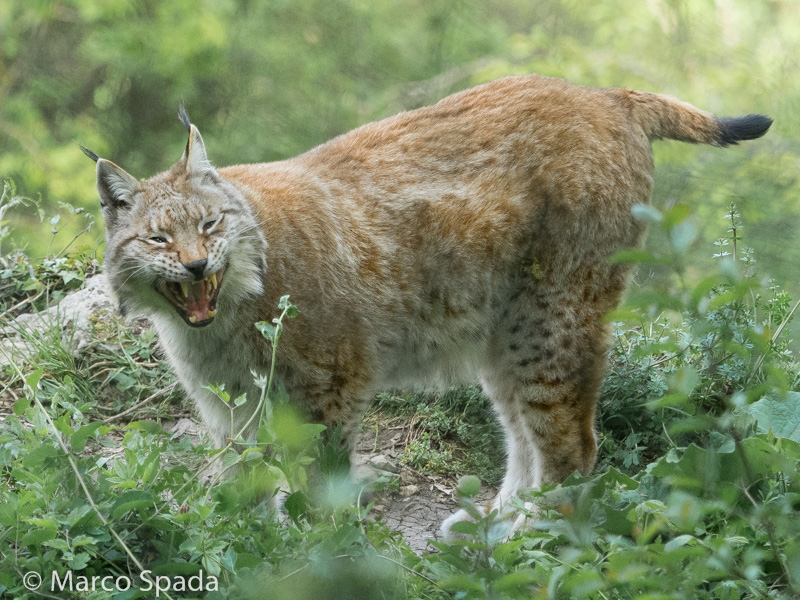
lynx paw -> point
(508, 517)
(448, 523)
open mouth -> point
(195, 301)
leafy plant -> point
(696, 494)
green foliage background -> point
(268, 80)
(694, 496)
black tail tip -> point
(732, 130)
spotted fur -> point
(464, 241)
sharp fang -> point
(213, 279)
(185, 289)
(212, 314)
(192, 319)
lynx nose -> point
(196, 268)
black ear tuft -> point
(184, 117)
(732, 130)
(89, 153)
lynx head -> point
(182, 245)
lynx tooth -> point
(212, 314)
(185, 289)
(192, 319)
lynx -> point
(465, 241)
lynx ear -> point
(115, 186)
(194, 157)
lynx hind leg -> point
(543, 376)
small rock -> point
(409, 490)
(72, 316)
(366, 474)
(443, 489)
(382, 463)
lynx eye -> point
(210, 224)
(157, 240)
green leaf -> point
(83, 540)
(37, 537)
(679, 541)
(646, 213)
(682, 236)
(704, 287)
(8, 509)
(617, 521)
(150, 466)
(656, 348)
(671, 399)
(123, 381)
(722, 299)
(231, 458)
(36, 458)
(516, 580)
(46, 523)
(461, 582)
(132, 500)
(647, 299)
(79, 561)
(296, 505)
(507, 554)
(21, 405)
(150, 427)
(469, 486)
(291, 309)
(267, 330)
(246, 560)
(67, 276)
(779, 416)
(32, 380)
(252, 454)
(57, 543)
(78, 515)
(464, 527)
(676, 215)
(78, 439)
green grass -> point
(449, 434)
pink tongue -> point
(197, 304)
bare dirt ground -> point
(417, 507)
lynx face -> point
(190, 260)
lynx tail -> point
(667, 117)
